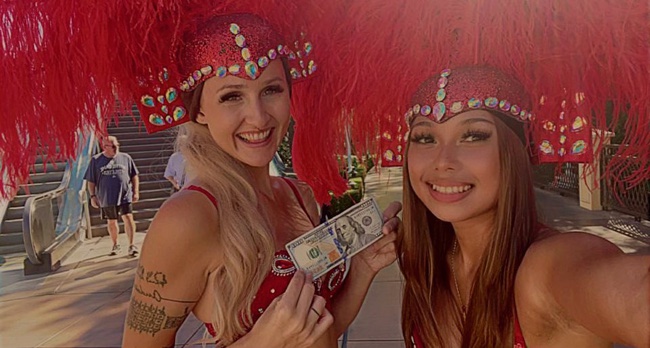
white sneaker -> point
(133, 250)
(115, 250)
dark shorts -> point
(113, 212)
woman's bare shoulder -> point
(555, 257)
(552, 247)
(188, 221)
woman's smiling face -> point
(247, 118)
(454, 166)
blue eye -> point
(230, 97)
(275, 89)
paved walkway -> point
(83, 304)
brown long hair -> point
(244, 230)
(426, 241)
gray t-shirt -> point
(176, 168)
(112, 178)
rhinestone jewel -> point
(456, 107)
(169, 119)
(251, 69)
(578, 147)
(161, 99)
(164, 75)
(578, 124)
(234, 28)
(222, 71)
(206, 70)
(426, 110)
(445, 73)
(272, 54)
(148, 101)
(156, 120)
(474, 103)
(240, 40)
(546, 147)
(504, 105)
(439, 111)
(234, 69)
(308, 48)
(179, 112)
(164, 109)
(416, 109)
(441, 95)
(197, 74)
(263, 62)
(246, 54)
(171, 95)
(515, 110)
(491, 102)
(442, 82)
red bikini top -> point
(283, 269)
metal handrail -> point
(39, 222)
(29, 213)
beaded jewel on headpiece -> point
(240, 45)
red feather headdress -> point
(65, 65)
(583, 65)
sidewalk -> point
(83, 304)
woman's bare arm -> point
(596, 285)
(172, 271)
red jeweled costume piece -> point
(278, 279)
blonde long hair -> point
(244, 232)
(426, 242)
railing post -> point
(589, 184)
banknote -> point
(340, 238)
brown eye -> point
(473, 136)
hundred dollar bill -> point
(331, 243)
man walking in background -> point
(113, 185)
(175, 171)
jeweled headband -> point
(241, 45)
(469, 88)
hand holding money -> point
(340, 238)
(382, 253)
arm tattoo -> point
(157, 296)
(150, 319)
(156, 278)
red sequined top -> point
(282, 270)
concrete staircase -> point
(44, 178)
(150, 153)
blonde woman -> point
(216, 248)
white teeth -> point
(255, 137)
(451, 189)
